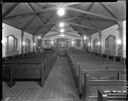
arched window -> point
(95, 45)
(110, 45)
(12, 42)
(78, 42)
(27, 45)
(39, 43)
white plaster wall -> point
(87, 42)
(93, 37)
(124, 38)
(104, 34)
(30, 37)
(110, 31)
(8, 30)
(35, 41)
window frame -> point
(15, 42)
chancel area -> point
(64, 51)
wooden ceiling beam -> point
(10, 10)
(45, 25)
(37, 29)
(90, 6)
(34, 10)
(73, 35)
(76, 30)
(70, 4)
(88, 18)
(79, 31)
(29, 14)
(51, 23)
(92, 14)
(48, 28)
(93, 23)
(64, 4)
(79, 25)
(50, 35)
(29, 22)
(59, 34)
(68, 19)
(108, 10)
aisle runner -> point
(59, 85)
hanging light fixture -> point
(61, 24)
(61, 30)
(52, 42)
(73, 42)
(61, 11)
(39, 37)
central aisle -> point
(59, 85)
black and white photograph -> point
(64, 51)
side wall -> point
(113, 30)
(9, 30)
(30, 37)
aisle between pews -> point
(59, 85)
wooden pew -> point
(98, 75)
(13, 71)
(95, 64)
(98, 67)
(89, 64)
(26, 71)
(91, 87)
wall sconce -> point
(24, 43)
(34, 44)
(84, 37)
(39, 37)
(89, 44)
(98, 43)
(118, 42)
(3, 42)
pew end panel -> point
(91, 87)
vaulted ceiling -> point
(84, 17)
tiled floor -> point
(58, 87)
(22, 91)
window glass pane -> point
(11, 42)
(78, 42)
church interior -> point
(64, 51)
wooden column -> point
(100, 40)
(83, 41)
(33, 43)
(22, 47)
(90, 44)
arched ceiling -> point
(84, 17)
